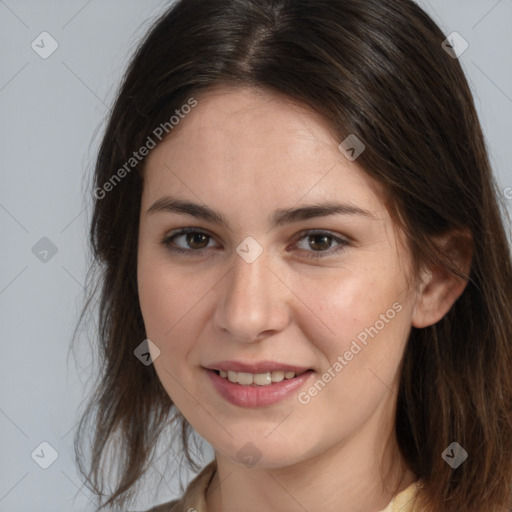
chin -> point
(263, 454)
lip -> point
(254, 396)
(260, 367)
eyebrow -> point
(279, 218)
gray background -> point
(52, 113)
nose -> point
(253, 304)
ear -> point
(439, 287)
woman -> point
(304, 260)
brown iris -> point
(320, 242)
(197, 240)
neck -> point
(345, 478)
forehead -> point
(259, 144)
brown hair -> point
(374, 68)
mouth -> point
(258, 390)
(258, 379)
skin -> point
(245, 153)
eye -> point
(320, 243)
(189, 240)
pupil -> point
(319, 242)
(197, 240)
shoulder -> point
(194, 497)
(407, 500)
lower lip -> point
(257, 396)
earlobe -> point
(439, 287)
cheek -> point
(361, 358)
(173, 307)
(361, 318)
(164, 306)
(346, 305)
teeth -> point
(279, 376)
(258, 379)
(242, 378)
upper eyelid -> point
(299, 236)
(184, 231)
(311, 232)
(342, 239)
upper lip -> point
(259, 367)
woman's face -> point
(280, 253)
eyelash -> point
(168, 241)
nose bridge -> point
(251, 301)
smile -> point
(242, 389)
(256, 379)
